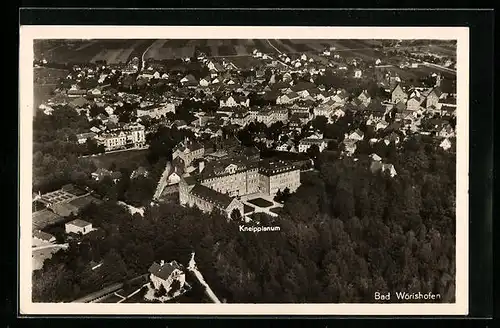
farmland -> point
(90, 51)
(45, 82)
(125, 159)
(120, 51)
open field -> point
(260, 202)
(123, 159)
(85, 51)
(119, 51)
(45, 82)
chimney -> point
(201, 166)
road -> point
(445, 69)
(269, 41)
(49, 246)
(192, 267)
(143, 61)
(104, 292)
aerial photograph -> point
(244, 171)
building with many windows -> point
(278, 175)
(130, 135)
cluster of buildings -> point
(123, 136)
(211, 179)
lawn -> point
(248, 209)
(130, 159)
(260, 202)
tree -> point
(236, 215)
(174, 287)
(161, 291)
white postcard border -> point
(30, 32)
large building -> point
(130, 135)
(278, 175)
(234, 176)
(220, 183)
(192, 193)
(188, 151)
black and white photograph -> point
(284, 170)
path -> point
(192, 267)
(162, 183)
(104, 292)
(143, 61)
(269, 41)
(132, 209)
(446, 69)
(49, 246)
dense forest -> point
(345, 233)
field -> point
(120, 51)
(45, 82)
(260, 202)
(124, 159)
(89, 51)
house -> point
(288, 98)
(78, 226)
(341, 96)
(375, 157)
(205, 82)
(414, 103)
(445, 144)
(164, 274)
(357, 135)
(234, 100)
(102, 173)
(446, 132)
(189, 80)
(83, 137)
(398, 94)
(365, 98)
(433, 98)
(305, 144)
(378, 166)
(381, 125)
(42, 237)
(139, 172)
(357, 74)
(349, 146)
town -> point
(219, 135)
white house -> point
(357, 135)
(42, 237)
(164, 274)
(357, 73)
(78, 226)
(204, 82)
(445, 144)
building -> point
(357, 135)
(83, 137)
(414, 103)
(42, 237)
(188, 151)
(398, 94)
(157, 112)
(101, 173)
(192, 193)
(235, 176)
(79, 227)
(130, 135)
(164, 274)
(233, 101)
(305, 144)
(278, 175)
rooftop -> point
(79, 223)
(211, 196)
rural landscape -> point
(244, 170)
